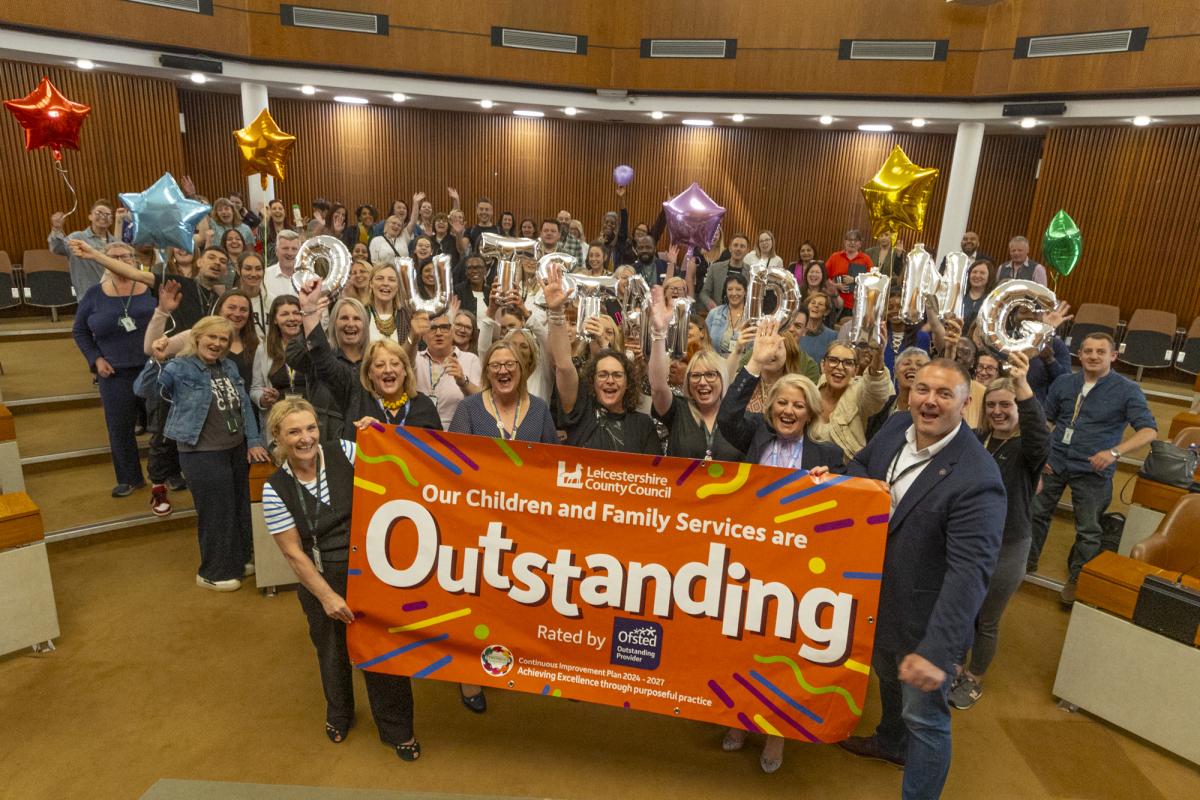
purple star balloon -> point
(693, 218)
(162, 216)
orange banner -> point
(735, 594)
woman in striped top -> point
(307, 505)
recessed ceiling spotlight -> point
(528, 112)
(306, 89)
(351, 99)
(738, 118)
(399, 97)
(919, 122)
(656, 115)
(485, 104)
(570, 111)
(872, 127)
(825, 119)
(698, 123)
(1142, 120)
(198, 77)
(1029, 122)
(84, 63)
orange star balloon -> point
(898, 196)
(264, 148)
(49, 118)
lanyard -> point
(432, 382)
(394, 419)
(260, 319)
(797, 451)
(894, 478)
(311, 519)
(505, 433)
(709, 434)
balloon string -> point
(62, 171)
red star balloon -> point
(49, 118)
(264, 147)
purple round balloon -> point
(623, 175)
(693, 218)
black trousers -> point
(163, 460)
(390, 696)
(120, 416)
(220, 484)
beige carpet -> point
(211, 790)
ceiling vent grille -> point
(1082, 44)
(193, 6)
(893, 49)
(325, 19)
(689, 48)
(545, 41)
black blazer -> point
(943, 540)
(752, 434)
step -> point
(50, 429)
(48, 368)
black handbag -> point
(1169, 464)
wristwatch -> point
(1115, 453)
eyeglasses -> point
(126, 257)
(502, 366)
(711, 377)
(439, 328)
(615, 376)
(846, 363)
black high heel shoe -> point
(476, 702)
(409, 752)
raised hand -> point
(310, 295)
(455, 370)
(660, 312)
(767, 342)
(56, 220)
(158, 350)
(450, 190)
(1058, 316)
(552, 287)
(170, 295)
(187, 185)
(81, 249)
(621, 191)
(419, 325)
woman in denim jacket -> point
(216, 428)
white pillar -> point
(254, 100)
(963, 167)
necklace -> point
(386, 325)
(391, 409)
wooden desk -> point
(1184, 419)
(20, 520)
(1111, 582)
(1155, 495)
(8, 430)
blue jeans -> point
(915, 726)
(1090, 495)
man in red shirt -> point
(846, 265)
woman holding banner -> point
(307, 504)
(601, 414)
(778, 437)
(382, 389)
(691, 419)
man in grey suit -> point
(713, 292)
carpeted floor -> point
(155, 679)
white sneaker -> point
(231, 585)
(249, 570)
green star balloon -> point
(1062, 244)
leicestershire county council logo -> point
(570, 480)
(636, 643)
(497, 660)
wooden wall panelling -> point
(1133, 193)
(801, 184)
(1004, 187)
(128, 141)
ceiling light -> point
(872, 127)
(198, 77)
(698, 123)
(1142, 120)
(919, 122)
(656, 115)
(570, 111)
(351, 99)
(528, 112)
(485, 104)
(84, 63)
(826, 119)
(1029, 122)
(306, 89)
(399, 97)
(738, 118)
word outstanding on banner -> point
(735, 594)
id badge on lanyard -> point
(127, 324)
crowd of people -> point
(231, 361)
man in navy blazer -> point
(947, 521)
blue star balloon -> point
(163, 216)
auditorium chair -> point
(1092, 318)
(10, 293)
(1187, 437)
(1149, 341)
(1188, 359)
(47, 281)
(1175, 545)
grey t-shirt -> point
(223, 426)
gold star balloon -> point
(898, 196)
(264, 148)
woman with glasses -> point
(504, 408)
(691, 419)
(602, 413)
(849, 400)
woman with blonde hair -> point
(383, 388)
(505, 407)
(691, 419)
(764, 252)
(781, 436)
(307, 505)
(389, 317)
(358, 285)
(215, 427)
